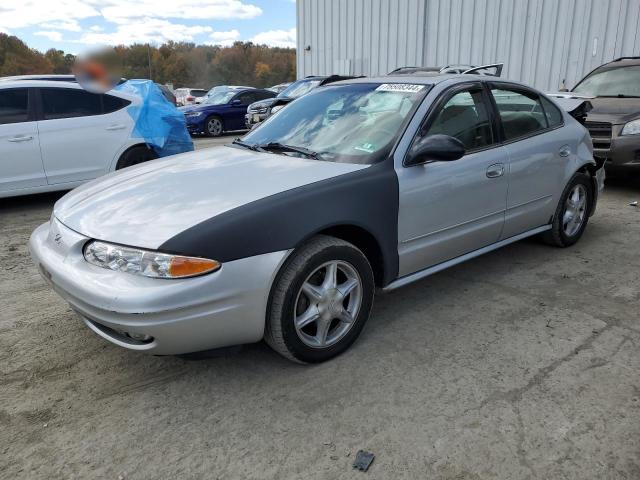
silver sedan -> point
(285, 234)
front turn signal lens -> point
(191, 266)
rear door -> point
(451, 208)
(538, 152)
(80, 133)
(20, 160)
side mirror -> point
(435, 148)
(236, 101)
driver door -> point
(450, 208)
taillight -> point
(190, 98)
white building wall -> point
(359, 37)
(541, 42)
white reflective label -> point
(400, 87)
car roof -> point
(425, 79)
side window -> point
(521, 113)
(264, 95)
(14, 105)
(69, 103)
(112, 104)
(554, 117)
(247, 98)
(464, 116)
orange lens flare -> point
(188, 266)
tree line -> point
(179, 63)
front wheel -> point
(214, 127)
(320, 301)
(572, 213)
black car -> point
(614, 121)
(261, 110)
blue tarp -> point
(157, 121)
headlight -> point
(276, 108)
(193, 114)
(260, 110)
(631, 128)
(145, 262)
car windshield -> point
(612, 82)
(198, 93)
(355, 123)
(220, 98)
(299, 88)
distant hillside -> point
(183, 64)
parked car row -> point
(285, 234)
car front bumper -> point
(195, 124)
(252, 119)
(158, 316)
(617, 150)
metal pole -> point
(149, 58)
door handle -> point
(496, 170)
(564, 151)
(116, 127)
(20, 138)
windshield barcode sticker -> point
(400, 87)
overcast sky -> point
(74, 25)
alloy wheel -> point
(575, 210)
(214, 127)
(328, 304)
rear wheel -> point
(320, 301)
(572, 213)
(214, 127)
(134, 156)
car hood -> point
(614, 110)
(146, 205)
(200, 107)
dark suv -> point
(260, 111)
(614, 121)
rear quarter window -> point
(112, 104)
(554, 116)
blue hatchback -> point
(223, 111)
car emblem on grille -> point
(58, 239)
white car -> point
(189, 96)
(54, 135)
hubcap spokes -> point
(575, 210)
(214, 126)
(327, 304)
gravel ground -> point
(520, 364)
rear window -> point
(198, 93)
(14, 105)
(69, 103)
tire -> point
(340, 313)
(134, 156)
(213, 126)
(575, 202)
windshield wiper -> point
(281, 147)
(250, 146)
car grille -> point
(600, 134)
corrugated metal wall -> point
(359, 37)
(541, 42)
